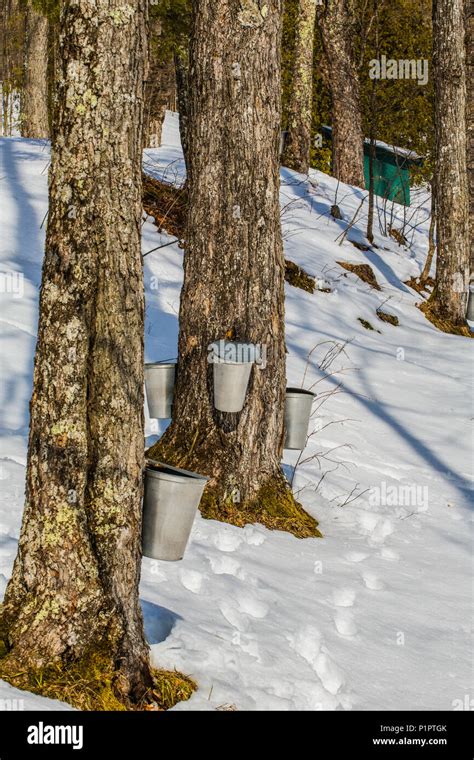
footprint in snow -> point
(344, 622)
(389, 554)
(254, 537)
(344, 597)
(224, 565)
(227, 540)
(356, 556)
(239, 611)
(233, 616)
(252, 606)
(372, 581)
(191, 580)
(307, 642)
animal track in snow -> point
(191, 580)
(254, 537)
(224, 565)
(389, 554)
(233, 616)
(247, 644)
(252, 606)
(356, 556)
(344, 622)
(372, 581)
(383, 529)
(227, 540)
(344, 597)
(308, 644)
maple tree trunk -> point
(233, 265)
(337, 31)
(470, 124)
(296, 154)
(160, 87)
(35, 97)
(449, 298)
(74, 588)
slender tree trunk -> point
(13, 37)
(159, 89)
(449, 298)
(297, 150)
(74, 589)
(182, 93)
(234, 266)
(371, 202)
(470, 124)
(431, 239)
(35, 94)
(337, 31)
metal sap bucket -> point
(298, 403)
(159, 384)
(470, 305)
(232, 366)
(170, 503)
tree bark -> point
(182, 95)
(296, 154)
(13, 36)
(337, 31)
(159, 89)
(233, 266)
(35, 95)
(431, 240)
(470, 124)
(449, 299)
(74, 588)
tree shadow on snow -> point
(158, 621)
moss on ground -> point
(91, 683)
(297, 277)
(445, 325)
(365, 324)
(274, 507)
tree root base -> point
(445, 325)
(89, 684)
(274, 508)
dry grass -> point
(363, 271)
(365, 323)
(166, 204)
(421, 288)
(390, 318)
(90, 684)
(445, 325)
(297, 277)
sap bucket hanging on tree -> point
(170, 504)
(298, 403)
(159, 384)
(232, 366)
(470, 304)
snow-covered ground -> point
(375, 615)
